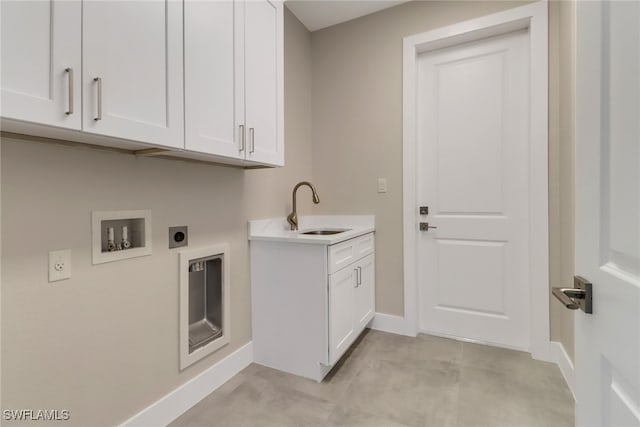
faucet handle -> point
(292, 219)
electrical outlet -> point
(178, 236)
(59, 265)
(382, 185)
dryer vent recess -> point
(178, 236)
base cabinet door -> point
(41, 62)
(133, 70)
(365, 292)
(341, 301)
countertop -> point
(278, 229)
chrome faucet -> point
(292, 219)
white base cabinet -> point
(351, 303)
(310, 302)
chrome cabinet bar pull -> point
(357, 277)
(98, 80)
(242, 139)
(252, 140)
(70, 81)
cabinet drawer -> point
(344, 253)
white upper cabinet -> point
(234, 79)
(41, 65)
(132, 70)
(264, 81)
(214, 77)
(201, 78)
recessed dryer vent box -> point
(120, 235)
(204, 302)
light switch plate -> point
(382, 185)
(59, 265)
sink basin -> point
(325, 231)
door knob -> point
(578, 297)
(424, 226)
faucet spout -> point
(292, 218)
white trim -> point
(534, 17)
(97, 237)
(390, 323)
(562, 359)
(462, 339)
(185, 257)
(184, 397)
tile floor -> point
(389, 380)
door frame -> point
(533, 17)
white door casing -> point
(136, 49)
(607, 365)
(533, 18)
(473, 174)
(36, 85)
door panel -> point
(341, 319)
(136, 49)
(35, 85)
(607, 364)
(483, 263)
(470, 183)
(473, 174)
(263, 58)
(214, 76)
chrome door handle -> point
(70, 81)
(357, 279)
(242, 138)
(252, 136)
(578, 297)
(98, 81)
(424, 226)
(359, 276)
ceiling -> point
(318, 14)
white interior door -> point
(135, 48)
(472, 113)
(41, 71)
(607, 367)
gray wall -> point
(104, 344)
(357, 129)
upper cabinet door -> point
(132, 70)
(214, 77)
(41, 64)
(264, 81)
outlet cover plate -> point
(178, 236)
(59, 265)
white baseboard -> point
(560, 356)
(184, 397)
(390, 323)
